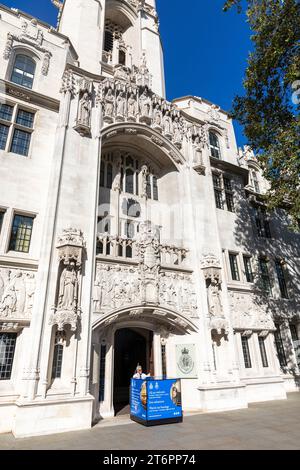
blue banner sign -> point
(156, 400)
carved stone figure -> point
(144, 173)
(84, 111)
(68, 288)
(145, 104)
(9, 300)
(177, 135)
(167, 124)
(214, 298)
(121, 105)
(8, 46)
(132, 106)
(109, 104)
(157, 121)
(117, 180)
(30, 286)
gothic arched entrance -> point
(132, 346)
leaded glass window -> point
(7, 352)
(21, 233)
(214, 145)
(263, 352)
(246, 352)
(23, 71)
(281, 279)
(235, 275)
(248, 269)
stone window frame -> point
(282, 278)
(11, 360)
(218, 148)
(223, 191)
(2, 218)
(268, 275)
(262, 223)
(12, 214)
(22, 49)
(13, 125)
(236, 268)
(254, 181)
(252, 273)
(263, 349)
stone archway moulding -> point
(149, 135)
(170, 318)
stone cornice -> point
(199, 100)
(15, 262)
(230, 168)
(29, 96)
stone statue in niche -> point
(167, 124)
(145, 106)
(117, 180)
(144, 173)
(68, 288)
(177, 131)
(132, 107)
(109, 105)
(157, 118)
(214, 298)
(121, 105)
(84, 111)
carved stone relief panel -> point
(115, 286)
(17, 289)
(248, 314)
(177, 291)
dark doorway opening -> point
(132, 347)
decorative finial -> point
(58, 4)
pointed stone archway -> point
(155, 323)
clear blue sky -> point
(205, 49)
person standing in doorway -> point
(139, 373)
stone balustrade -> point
(120, 247)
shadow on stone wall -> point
(284, 245)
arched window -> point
(23, 71)
(108, 41)
(122, 57)
(129, 182)
(102, 175)
(214, 144)
(155, 188)
(109, 175)
(148, 188)
(255, 183)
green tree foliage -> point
(269, 110)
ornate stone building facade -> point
(132, 229)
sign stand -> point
(155, 401)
